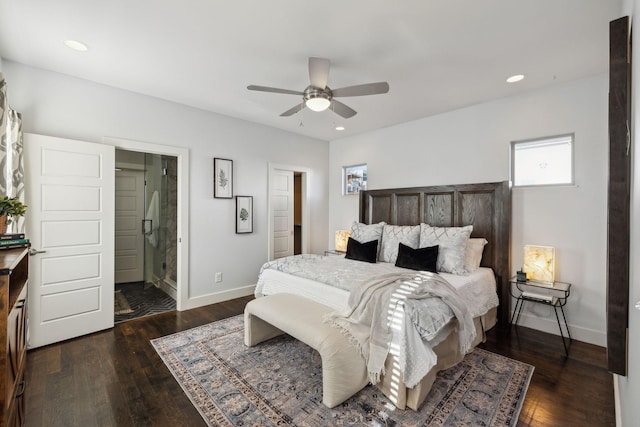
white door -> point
(129, 213)
(70, 221)
(282, 212)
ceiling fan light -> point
(318, 104)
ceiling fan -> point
(318, 96)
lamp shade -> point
(342, 238)
(540, 263)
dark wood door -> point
(619, 195)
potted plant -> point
(10, 207)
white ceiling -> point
(437, 55)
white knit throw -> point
(376, 309)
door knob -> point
(35, 251)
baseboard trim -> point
(550, 326)
(217, 297)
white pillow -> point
(473, 255)
(452, 246)
(364, 233)
(393, 235)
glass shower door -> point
(161, 221)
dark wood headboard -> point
(486, 206)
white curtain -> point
(11, 157)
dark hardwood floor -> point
(564, 391)
(115, 377)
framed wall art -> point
(222, 178)
(354, 179)
(244, 214)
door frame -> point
(305, 172)
(182, 155)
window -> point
(544, 161)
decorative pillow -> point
(473, 255)
(392, 235)
(367, 251)
(423, 259)
(452, 242)
(367, 232)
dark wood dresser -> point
(14, 274)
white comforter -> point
(335, 271)
(329, 280)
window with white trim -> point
(543, 161)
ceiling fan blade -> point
(342, 110)
(359, 90)
(291, 111)
(318, 72)
(274, 90)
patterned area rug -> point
(279, 382)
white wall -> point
(629, 386)
(472, 145)
(58, 105)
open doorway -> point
(145, 234)
(297, 213)
(182, 207)
(288, 213)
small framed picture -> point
(354, 179)
(244, 214)
(222, 178)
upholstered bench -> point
(344, 371)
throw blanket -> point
(387, 303)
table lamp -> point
(539, 263)
(342, 238)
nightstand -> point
(556, 297)
(334, 252)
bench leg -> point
(257, 330)
(344, 371)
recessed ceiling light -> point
(339, 127)
(76, 45)
(515, 78)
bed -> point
(486, 207)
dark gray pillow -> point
(367, 251)
(423, 259)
